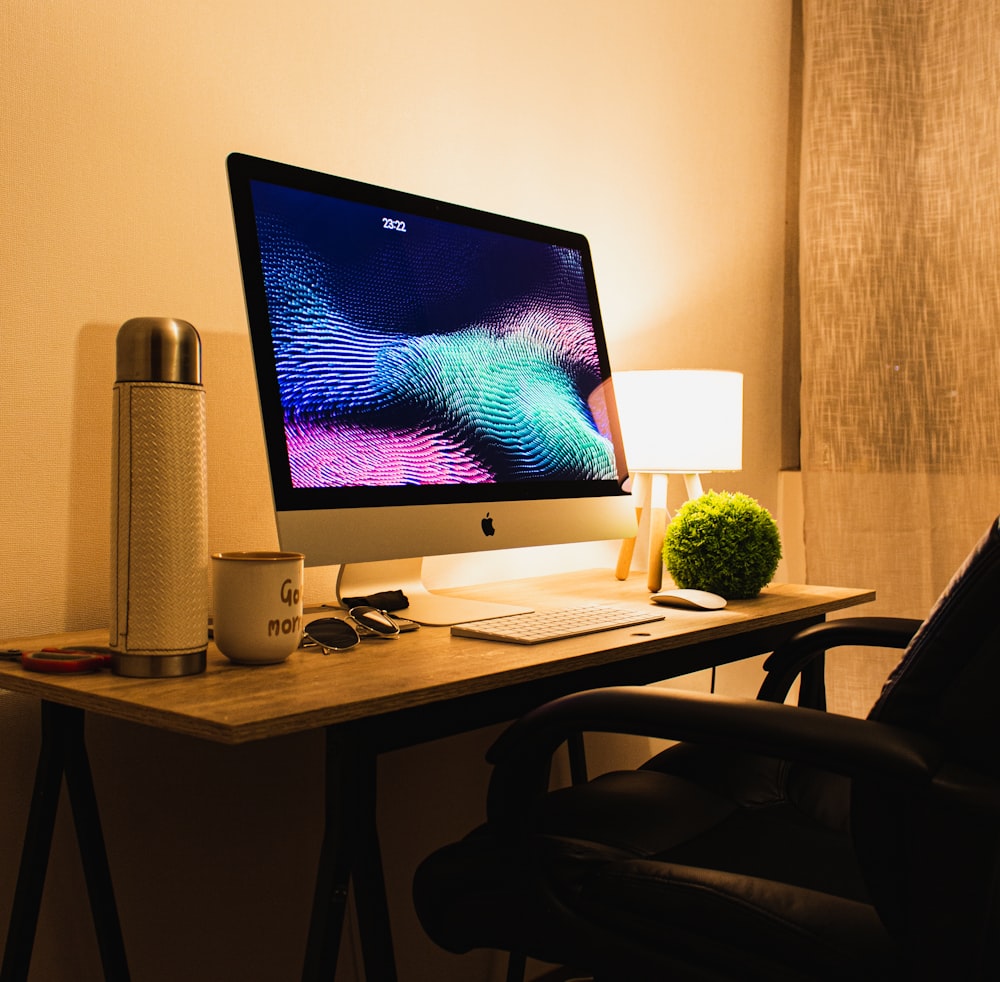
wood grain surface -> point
(232, 704)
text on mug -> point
(278, 626)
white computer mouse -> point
(691, 599)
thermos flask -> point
(159, 541)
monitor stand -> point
(366, 579)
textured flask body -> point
(159, 541)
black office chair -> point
(777, 842)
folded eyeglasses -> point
(340, 634)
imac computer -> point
(433, 380)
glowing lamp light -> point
(675, 422)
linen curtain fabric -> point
(900, 298)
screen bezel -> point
(243, 172)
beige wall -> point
(658, 128)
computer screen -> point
(433, 379)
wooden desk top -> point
(234, 704)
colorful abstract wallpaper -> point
(413, 351)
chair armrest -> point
(785, 663)
(844, 744)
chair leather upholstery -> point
(775, 842)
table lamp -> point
(675, 422)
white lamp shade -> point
(681, 422)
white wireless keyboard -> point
(538, 626)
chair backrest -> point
(932, 861)
(946, 683)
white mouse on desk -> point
(689, 599)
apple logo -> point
(487, 524)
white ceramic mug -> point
(258, 605)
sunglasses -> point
(337, 634)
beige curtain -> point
(900, 295)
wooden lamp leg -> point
(640, 492)
(657, 529)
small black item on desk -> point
(386, 600)
(689, 599)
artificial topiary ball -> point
(723, 542)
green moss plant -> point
(724, 542)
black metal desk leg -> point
(350, 854)
(62, 752)
(34, 852)
(812, 683)
(516, 965)
(90, 838)
(577, 758)
(369, 879)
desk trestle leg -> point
(63, 752)
(350, 855)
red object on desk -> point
(63, 660)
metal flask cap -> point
(158, 349)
